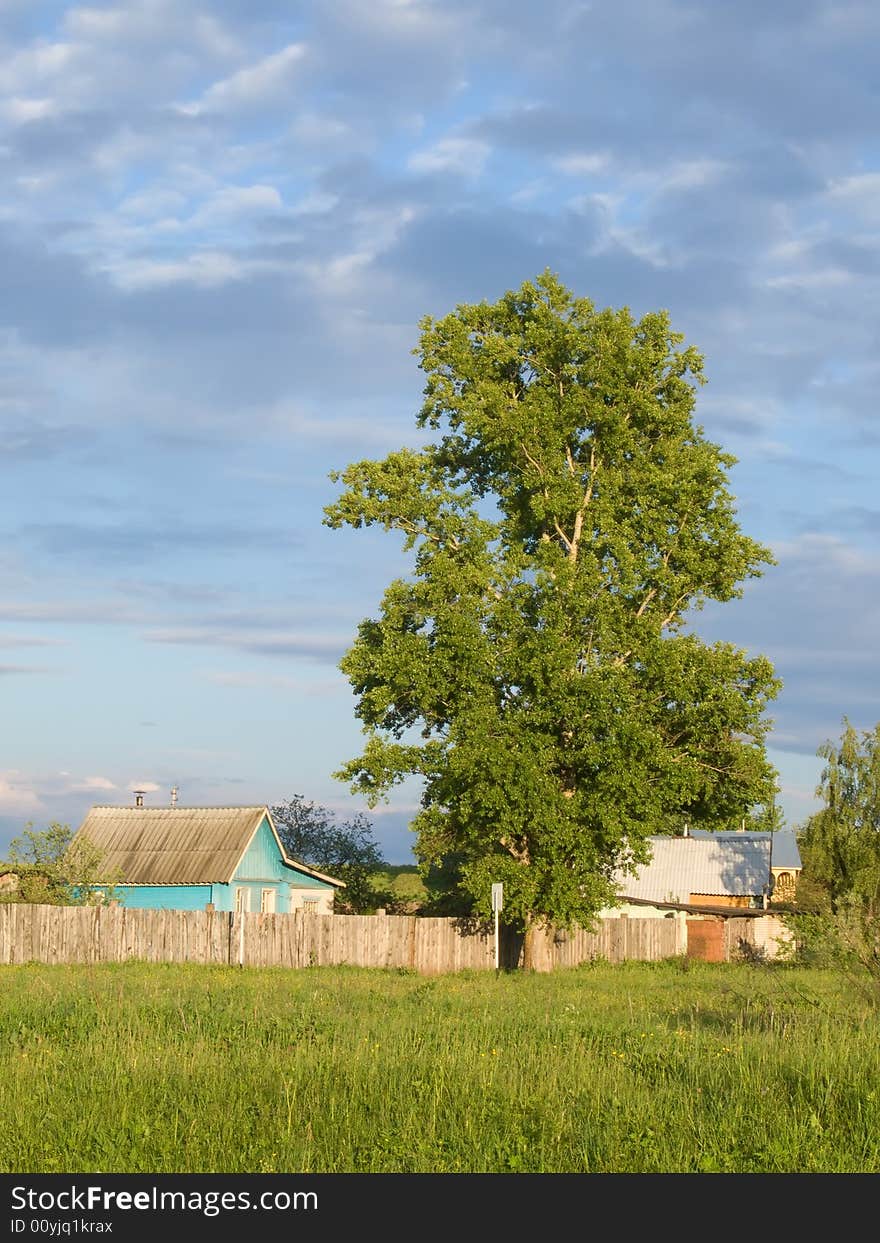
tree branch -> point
(647, 600)
(412, 528)
(575, 541)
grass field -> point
(632, 1068)
(403, 884)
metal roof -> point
(733, 864)
(178, 845)
(785, 847)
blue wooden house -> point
(185, 858)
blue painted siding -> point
(262, 860)
(165, 897)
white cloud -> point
(232, 202)
(17, 798)
(158, 200)
(162, 22)
(94, 783)
(316, 203)
(315, 129)
(42, 63)
(464, 156)
(257, 85)
(584, 164)
(861, 192)
(817, 549)
(18, 111)
(206, 269)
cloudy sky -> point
(220, 221)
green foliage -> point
(534, 671)
(55, 870)
(43, 849)
(399, 889)
(840, 845)
(446, 895)
(346, 851)
(839, 889)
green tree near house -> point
(840, 845)
(837, 920)
(53, 869)
(534, 669)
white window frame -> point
(268, 900)
(242, 900)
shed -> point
(183, 858)
(727, 869)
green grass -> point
(404, 884)
(634, 1068)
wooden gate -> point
(706, 939)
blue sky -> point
(219, 225)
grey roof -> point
(785, 848)
(732, 864)
(786, 853)
(178, 845)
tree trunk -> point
(529, 939)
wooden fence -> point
(59, 934)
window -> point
(267, 901)
(310, 904)
(242, 900)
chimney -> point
(687, 831)
(139, 798)
(174, 796)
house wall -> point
(318, 901)
(261, 860)
(164, 897)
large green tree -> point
(534, 669)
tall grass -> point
(632, 1068)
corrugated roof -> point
(735, 864)
(177, 845)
